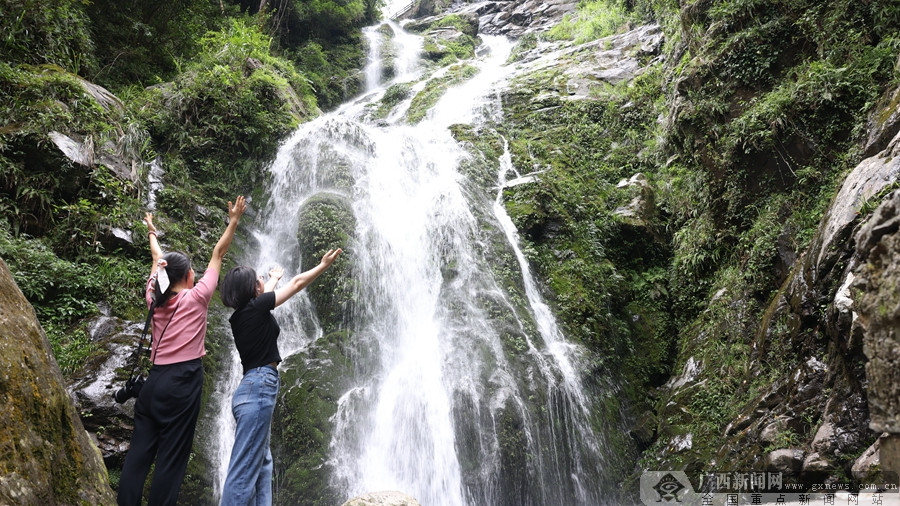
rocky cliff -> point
(828, 331)
(47, 457)
(744, 287)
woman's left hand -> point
(148, 219)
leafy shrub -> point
(46, 32)
(227, 112)
(64, 292)
(593, 20)
(143, 43)
(37, 183)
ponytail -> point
(174, 267)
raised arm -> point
(155, 250)
(234, 216)
(275, 273)
(302, 280)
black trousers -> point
(165, 415)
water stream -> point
(467, 391)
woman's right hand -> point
(276, 272)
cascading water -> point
(464, 391)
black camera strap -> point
(137, 360)
(140, 352)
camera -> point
(131, 389)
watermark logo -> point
(736, 488)
(668, 488)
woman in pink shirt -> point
(165, 413)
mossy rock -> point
(435, 88)
(464, 23)
(395, 94)
(312, 382)
(388, 52)
(447, 45)
(47, 457)
(327, 222)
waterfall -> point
(465, 390)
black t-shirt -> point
(256, 332)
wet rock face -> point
(519, 17)
(92, 387)
(46, 457)
(576, 72)
(311, 383)
(878, 307)
(837, 317)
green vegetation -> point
(224, 88)
(36, 33)
(434, 90)
(205, 89)
(63, 292)
(610, 278)
(224, 115)
(765, 106)
(743, 131)
(594, 20)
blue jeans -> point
(249, 479)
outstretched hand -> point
(148, 219)
(276, 272)
(329, 257)
(235, 211)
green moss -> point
(312, 382)
(395, 94)
(327, 222)
(436, 87)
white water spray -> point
(473, 394)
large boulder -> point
(579, 71)
(327, 222)
(388, 498)
(312, 382)
(46, 457)
(518, 17)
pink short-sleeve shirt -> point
(183, 317)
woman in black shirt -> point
(256, 338)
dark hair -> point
(238, 287)
(178, 267)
